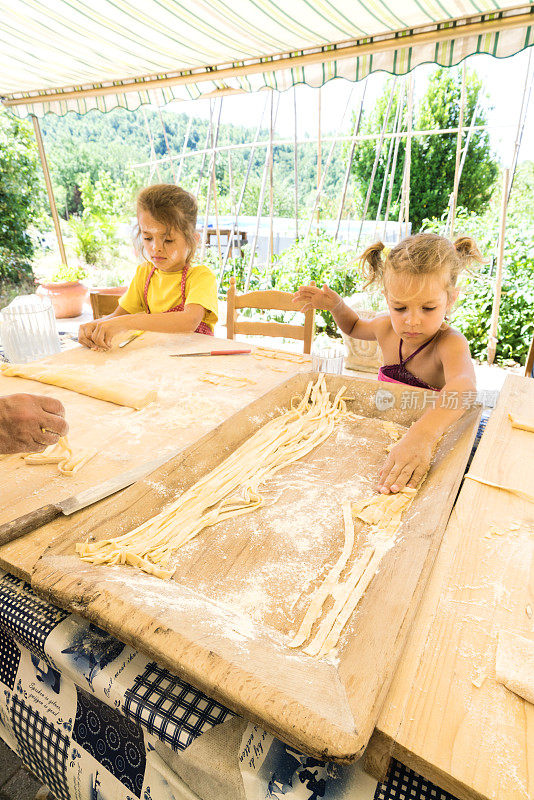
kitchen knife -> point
(41, 516)
(212, 353)
(131, 338)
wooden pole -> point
(184, 148)
(49, 189)
(375, 163)
(395, 155)
(492, 342)
(271, 185)
(319, 152)
(349, 162)
(454, 199)
(296, 171)
(242, 195)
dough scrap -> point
(521, 424)
(514, 666)
(295, 358)
(223, 379)
(383, 512)
(102, 388)
(518, 492)
(229, 490)
(61, 453)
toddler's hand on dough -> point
(406, 464)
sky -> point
(503, 82)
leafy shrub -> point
(89, 242)
(68, 273)
(14, 267)
(321, 259)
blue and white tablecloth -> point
(96, 720)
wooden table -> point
(445, 716)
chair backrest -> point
(529, 365)
(271, 299)
(103, 304)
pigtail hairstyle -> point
(372, 264)
(467, 251)
(173, 207)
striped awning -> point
(77, 55)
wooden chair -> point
(529, 365)
(270, 299)
(103, 304)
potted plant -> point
(66, 291)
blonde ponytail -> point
(467, 251)
(372, 263)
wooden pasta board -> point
(241, 586)
(445, 715)
(187, 407)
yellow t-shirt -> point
(165, 292)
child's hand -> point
(313, 297)
(407, 462)
(98, 334)
(85, 334)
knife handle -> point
(228, 352)
(10, 531)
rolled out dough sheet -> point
(514, 665)
(76, 380)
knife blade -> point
(41, 516)
(131, 338)
(211, 353)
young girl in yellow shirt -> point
(166, 281)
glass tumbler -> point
(328, 360)
(28, 329)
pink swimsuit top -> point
(397, 373)
(203, 327)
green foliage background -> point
(20, 197)
(433, 157)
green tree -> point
(20, 196)
(433, 157)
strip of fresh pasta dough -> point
(511, 489)
(61, 453)
(325, 588)
(384, 513)
(76, 380)
(229, 490)
(521, 424)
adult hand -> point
(29, 423)
(313, 297)
(407, 462)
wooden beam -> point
(49, 189)
(492, 342)
(456, 29)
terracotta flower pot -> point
(67, 297)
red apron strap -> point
(145, 295)
(203, 327)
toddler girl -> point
(166, 282)
(420, 348)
